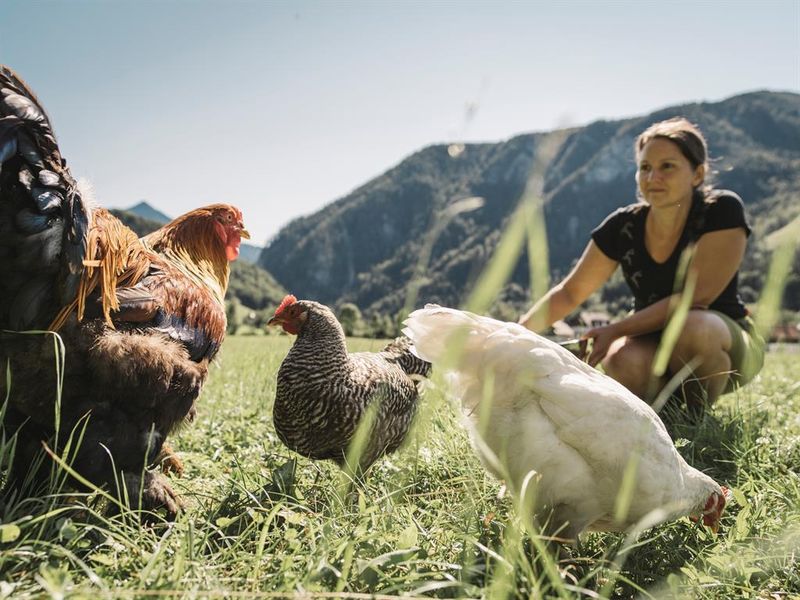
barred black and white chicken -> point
(323, 391)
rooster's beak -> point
(243, 232)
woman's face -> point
(665, 176)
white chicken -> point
(581, 432)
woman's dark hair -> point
(686, 136)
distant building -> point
(594, 319)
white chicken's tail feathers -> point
(434, 331)
(462, 341)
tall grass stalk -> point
(769, 305)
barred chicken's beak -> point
(274, 321)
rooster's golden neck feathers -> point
(192, 244)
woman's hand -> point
(602, 338)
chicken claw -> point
(169, 462)
(156, 493)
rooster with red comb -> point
(140, 320)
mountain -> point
(145, 211)
(363, 248)
(254, 287)
(250, 253)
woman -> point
(677, 212)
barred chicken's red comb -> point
(287, 301)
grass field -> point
(429, 522)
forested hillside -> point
(363, 248)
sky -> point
(284, 107)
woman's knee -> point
(703, 334)
(629, 363)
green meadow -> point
(427, 522)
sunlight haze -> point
(283, 107)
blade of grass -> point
(440, 223)
(769, 305)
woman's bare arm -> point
(592, 270)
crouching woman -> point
(676, 213)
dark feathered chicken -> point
(323, 392)
(139, 319)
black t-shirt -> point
(621, 237)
